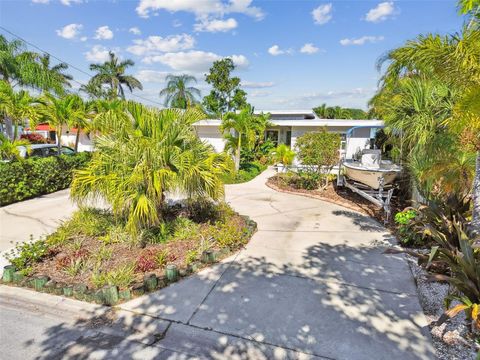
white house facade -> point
(288, 125)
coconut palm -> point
(154, 152)
(112, 74)
(17, 107)
(178, 93)
(59, 113)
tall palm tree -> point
(17, 107)
(112, 74)
(55, 75)
(154, 152)
(178, 93)
(60, 113)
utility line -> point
(70, 65)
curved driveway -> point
(312, 282)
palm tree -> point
(94, 90)
(454, 60)
(55, 76)
(112, 74)
(246, 127)
(80, 119)
(17, 107)
(283, 154)
(152, 153)
(178, 93)
(60, 113)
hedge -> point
(24, 179)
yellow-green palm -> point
(152, 153)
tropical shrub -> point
(24, 255)
(282, 154)
(20, 180)
(149, 153)
(405, 227)
(247, 172)
(319, 152)
(34, 138)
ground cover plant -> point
(96, 251)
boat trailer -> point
(380, 197)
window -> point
(272, 135)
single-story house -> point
(288, 125)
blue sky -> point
(290, 54)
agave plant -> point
(147, 154)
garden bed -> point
(93, 257)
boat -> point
(371, 170)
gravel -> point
(451, 339)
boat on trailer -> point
(370, 177)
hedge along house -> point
(288, 125)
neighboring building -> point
(68, 136)
(288, 125)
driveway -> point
(312, 282)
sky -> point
(288, 54)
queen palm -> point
(178, 93)
(112, 74)
(154, 152)
(17, 107)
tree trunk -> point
(59, 141)
(237, 152)
(77, 139)
(476, 197)
(15, 130)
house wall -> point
(212, 135)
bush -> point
(319, 151)
(405, 221)
(34, 138)
(24, 179)
(247, 172)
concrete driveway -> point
(313, 282)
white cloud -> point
(200, 8)
(70, 31)
(309, 48)
(351, 97)
(152, 76)
(259, 93)
(157, 44)
(83, 38)
(193, 61)
(40, 1)
(97, 54)
(176, 23)
(322, 14)
(216, 25)
(382, 12)
(257, 85)
(135, 30)
(362, 40)
(103, 33)
(70, 2)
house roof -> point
(304, 123)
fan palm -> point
(112, 74)
(153, 152)
(17, 106)
(178, 93)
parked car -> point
(44, 150)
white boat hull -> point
(371, 177)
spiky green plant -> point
(148, 154)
